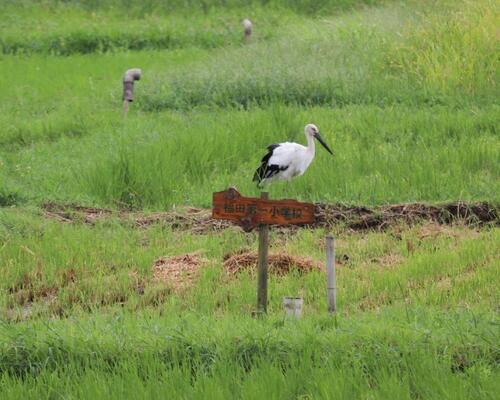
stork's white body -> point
(294, 156)
(287, 160)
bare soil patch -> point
(360, 218)
(279, 263)
(199, 220)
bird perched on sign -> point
(286, 160)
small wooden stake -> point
(262, 265)
(330, 267)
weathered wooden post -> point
(330, 268)
(131, 75)
(262, 264)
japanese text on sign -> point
(249, 212)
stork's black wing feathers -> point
(270, 150)
(265, 170)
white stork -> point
(286, 160)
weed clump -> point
(9, 198)
(453, 54)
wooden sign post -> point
(262, 263)
(250, 212)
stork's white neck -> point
(310, 143)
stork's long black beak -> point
(320, 139)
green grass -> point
(44, 97)
(380, 156)
(88, 268)
(240, 358)
(72, 31)
(138, 8)
(82, 27)
(404, 311)
(384, 57)
(404, 92)
(403, 128)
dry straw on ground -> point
(279, 263)
(178, 271)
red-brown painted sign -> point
(251, 211)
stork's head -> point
(312, 130)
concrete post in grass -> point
(293, 306)
(330, 269)
(247, 29)
(131, 75)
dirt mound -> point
(178, 271)
(197, 220)
(200, 220)
(360, 218)
(279, 263)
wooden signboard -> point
(250, 212)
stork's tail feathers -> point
(264, 172)
(259, 175)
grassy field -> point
(404, 92)
(411, 300)
(402, 128)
